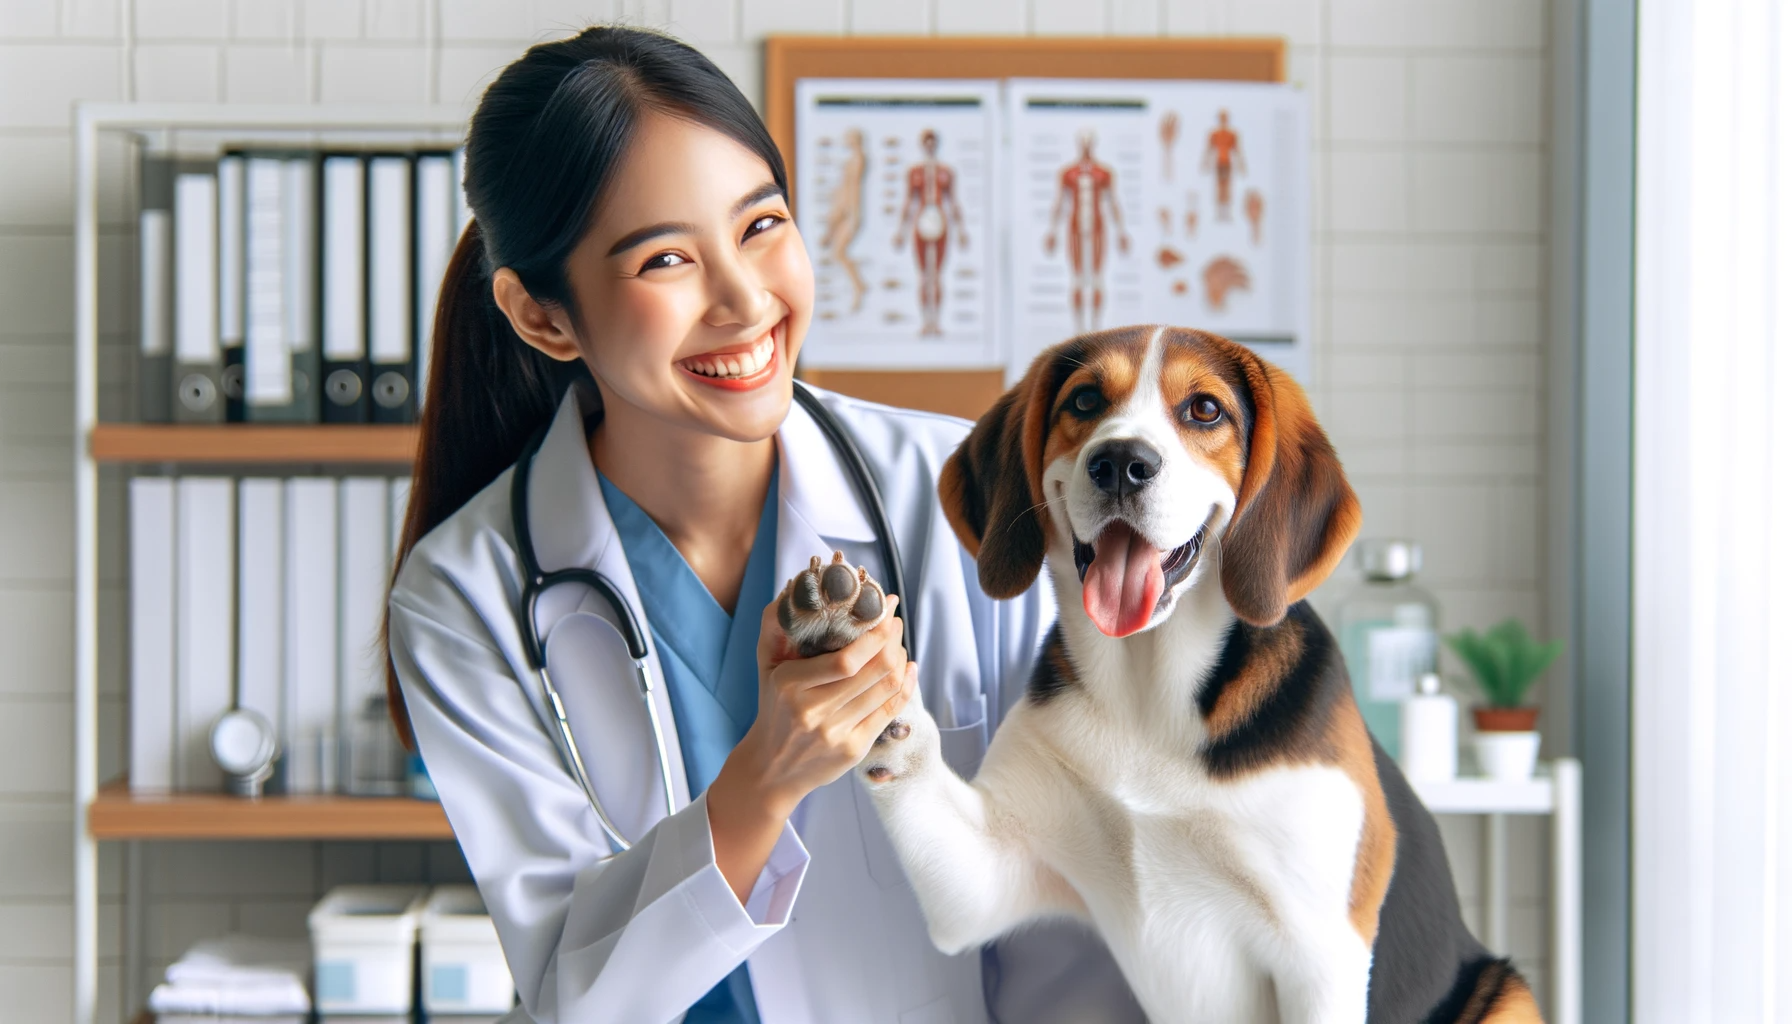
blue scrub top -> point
(710, 662)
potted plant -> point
(1505, 661)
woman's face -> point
(693, 287)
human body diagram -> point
(1086, 201)
(1222, 153)
(845, 213)
(930, 215)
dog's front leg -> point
(1323, 977)
(972, 867)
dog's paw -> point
(824, 608)
(905, 746)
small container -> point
(464, 971)
(364, 943)
(1508, 756)
(1428, 733)
(1388, 628)
(376, 761)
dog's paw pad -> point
(895, 732)
(826, 607)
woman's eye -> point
(1087, 400)
(664, 259)
(765, 223)
(1202, 409)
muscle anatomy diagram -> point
(1222, 154)
(1086, 204)
(845, 213)
(930, 218)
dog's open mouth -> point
(1125, 579)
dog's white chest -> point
(1170, 860)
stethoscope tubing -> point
(536, 582)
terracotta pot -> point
(1506, 719)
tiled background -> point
(1430, 162)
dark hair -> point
(542, 147)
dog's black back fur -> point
(1426, 962)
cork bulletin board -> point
(968, 392)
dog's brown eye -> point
(1087, 400)
(1202, 409)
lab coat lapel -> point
(572, 528)
(816, 496)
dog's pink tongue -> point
(1122, 586)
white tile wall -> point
(1430, 123)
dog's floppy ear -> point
(1296, 513)
(990, 487)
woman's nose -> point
(737, 295)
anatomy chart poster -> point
(1228, 227)
(895, 186)
(1076, 212)
(1158, 202)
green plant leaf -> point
(1505, 661)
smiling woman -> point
(610, 413)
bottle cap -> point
(1389, 559)
(1430, 685)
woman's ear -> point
(547, 330)
(1296, 513)
(990, 487)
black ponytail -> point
(542, 149)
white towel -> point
(237, 975)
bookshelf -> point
(116, 813)
(239, 443)
(112, 813)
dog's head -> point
(1142, 456)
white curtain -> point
(1713, 513)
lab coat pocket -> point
(963, 747)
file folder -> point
(344, 283)
(155, 290)
(152, 633)
(435, 244)
(309, 722)
(230, 282)
(261, 596)
(204, 654)
(283, 349)
(390, 326)
(198, 360)
(365, 568)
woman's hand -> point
(817, 719)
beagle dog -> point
(1188, 771)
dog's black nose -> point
(1120, 468)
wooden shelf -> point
(241, 442)
(117, 813)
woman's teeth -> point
(736, 364)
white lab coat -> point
(831, 933)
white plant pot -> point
(1508, 756)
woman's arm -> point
(817, 718)
(639, 937)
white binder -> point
(205, 524)
(365, 567)
(261, 596)
(198, 360)
(435, 243)
(309, 722)
(389, 296)
(152, 633)
(269, 362)
(344, 288)
(401, 505)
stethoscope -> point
(536, 582)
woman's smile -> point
(742, 367)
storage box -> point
(364, 940)
(463, 966)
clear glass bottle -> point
(1389, 634)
